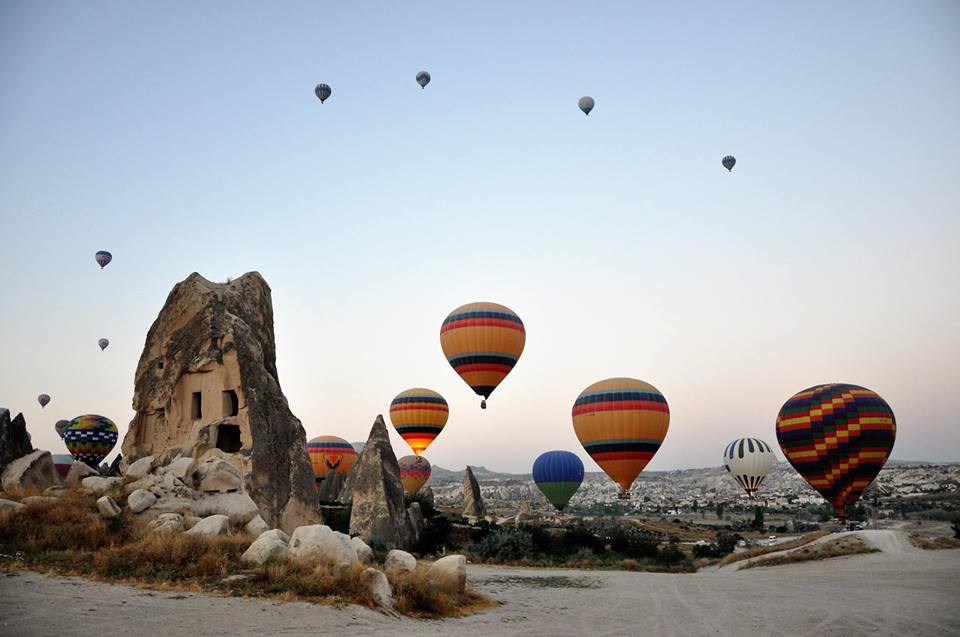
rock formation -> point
(32, 472)
(374, 485)
(472, 501)
(207, 388)
(331, 487)
(14, 439)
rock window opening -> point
(196, 406)
(231, 405)
(160, 365)
(228, 438)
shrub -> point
(434, 535)
(634, 543)
(413, 595)
(577, 537)
(726, 542)
(337, 518)
(670, 555)
(707, 550)
(502, 545)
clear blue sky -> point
(185, 137)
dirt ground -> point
(900, 591)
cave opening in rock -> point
(228, 438)
(231, 404)
(196, 406)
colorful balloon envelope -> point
(621, 422)
(62, 462)
(419, 416)
(749, 460)
(330, 453)
(43, 399)
(414, 473)
(90, 438)
(558, 475)
(482, 342)
(103, 258)
(837, 437)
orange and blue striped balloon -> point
(90, 438)
(414, 473)
(330, 453)
(482, 342)
(419, 416)
(621, 422)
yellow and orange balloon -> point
(621, 422)
(414, 473)
(330, 453)
(419, 416)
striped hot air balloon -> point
(749, 460)
(90, 438)
(482, 342)
(419, 416)
(837, 437)
(414, 473)
(330, 453)
(558, 475)
(621, 422)
(62, 462)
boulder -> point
(239, 507)
(77, 472)
(55, 491)
(207, 380)
(38, 499)
(96, 485)
(149, 482)
(219, 476)
(211, 525)
(183, 469)
(167, 523)
(270, 545)
(364, 552)
(379, 586)
(141, 500)
(472, 501)
(107, 507)
(374, 485)
(319, 542)
(400, 560)
(14, 439)
(9, 506)
(331, 487)
(32, 472)
(449, 574)
(257, 526)
(139, 468)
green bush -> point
(434, 536)
(502, 545)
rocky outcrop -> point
(364, 552)
(256, 527)
(77, 472)
(95, 485)
(270, 545)
(428, 496)
(107, 507)
(167, 523)
(449, 574)
(331, 487)
(207, 388)
(319, 542)
(472, 501)
(211, 525)
(32, 472)
(14, 439)
(141, 500)
(416, 520)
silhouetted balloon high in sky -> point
(586, 104)
(423, 78)
(103, 258)
(103, 343)
(322, 92)
(61, 427)
(729, 162)
(419, 415)
(43, 399)
(749, 460)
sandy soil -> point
(899, 592)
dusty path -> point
(900, 593)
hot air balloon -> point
(558, 475)
(837, 437)
(90, 438)
(61, 427)
(423, 78)
(419, 415)
(482, 342)
(330, 453)
(323, 91)
(414, 473)
(749, 460)
(62, 462)
(103, 258)
(621, 422)
(103, 344)
(586, 104)
(729, 162)
(43, 399)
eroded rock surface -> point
(14, 439)
(472, 500)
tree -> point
(720, 507)
(956, 529)
(757, 517)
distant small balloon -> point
(103, 258)
(586, 104)
(729, 162)
(43, 399)
(61, 427)
(103, 344)
(423, 78)
(323, 91)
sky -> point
(186, 137)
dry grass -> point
(848, 545)
(763, 550)
(414, 596)
(934, 543)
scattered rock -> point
(14, 439)
(472, 501)
(270, 545)
(211, 525)
(400, 560)
(139, 468)
(331, 487)
(364, 552)
(149, 482)
(107, 507)
(374, 485)
(379, 587)
(55, 491)
(9, 506)
(233, 579)
(32, 472)
(219, 476)
(96, 485)
(319, 542)
(38, 499)
(167, 523)
(239, 507)
(141, 500)
(449, 574)
(77, 472)
(183, 468)
(257, 526)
